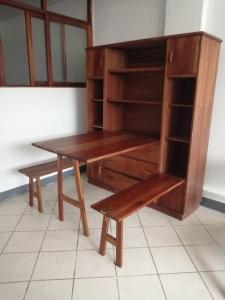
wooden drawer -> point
(131, 167)
(149, 153)
(117, 181)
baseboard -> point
(24, 188)
(213, 204)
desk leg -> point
(60, 186)
(80, 196)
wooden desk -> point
(88, 148)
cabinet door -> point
(183, 56)
(95, 63)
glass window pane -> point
(56, 51)
(14, 44)
(76, 42)
(72, 8)
(39, 49)
(35, 3)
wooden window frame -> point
(47, 16)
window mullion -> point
(30, 48)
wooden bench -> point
(125, 203)
(36, 172)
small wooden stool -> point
(127, 202)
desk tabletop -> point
(95, 145)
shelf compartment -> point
(97, 100)
(135, 102)
(96, 88)
(181, 105)
(182, 91)
(180, 122)
(98, 115)
(177, 158)
(137, 70)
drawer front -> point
(131, 167)
(117, 181)
(149, 153)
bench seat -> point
(125, 203)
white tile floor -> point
(43, 258)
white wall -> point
(183, 16)
(214, 186)
(123, 20)
(33, 114)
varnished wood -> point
(39, 197)
(105, 228)
(126, 202)
(119, 243)
(60, 187)
(80, 197)
(31, 191)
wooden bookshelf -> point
(160, 88)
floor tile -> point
(190, 220)
(210, 216)
(54, 265)
(68, 208)
(8, 223)
(133, 237)
(149, 217)
(13, 291)
(21, 198)
(91, 264)
(172, 260)
(194, 235)
(217, 232)
(222, 246)
(131, 221)
(47, 208)
(184, 287)
(25, 242)
(136, 261)
(33, 222)
(91, 242)
(95, 289)
(9, 207)
(215, 282)
(94, 220)
(50, 290)
(207, 257)
(140, 287)
(161, 236)
(59, 240)
(16, 267)
(49, 192)
(93, 192)
(4, 236)
(71, 221)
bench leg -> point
(105, 228)
(31, 191)
(80, 197)
(39, 196)
(60, 186)
(119, 243)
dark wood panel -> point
(95, 62)
(148, 153)
(115, 181)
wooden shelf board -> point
(137, 70)
(181, 105)
(182, 76)
(178, 139)
(97, 126)
(95, 78)
(135, 102)
(97, 100)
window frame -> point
(48, 17)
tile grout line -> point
(198, 272)
(152, 258)
(45, 232)
(74, 272)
